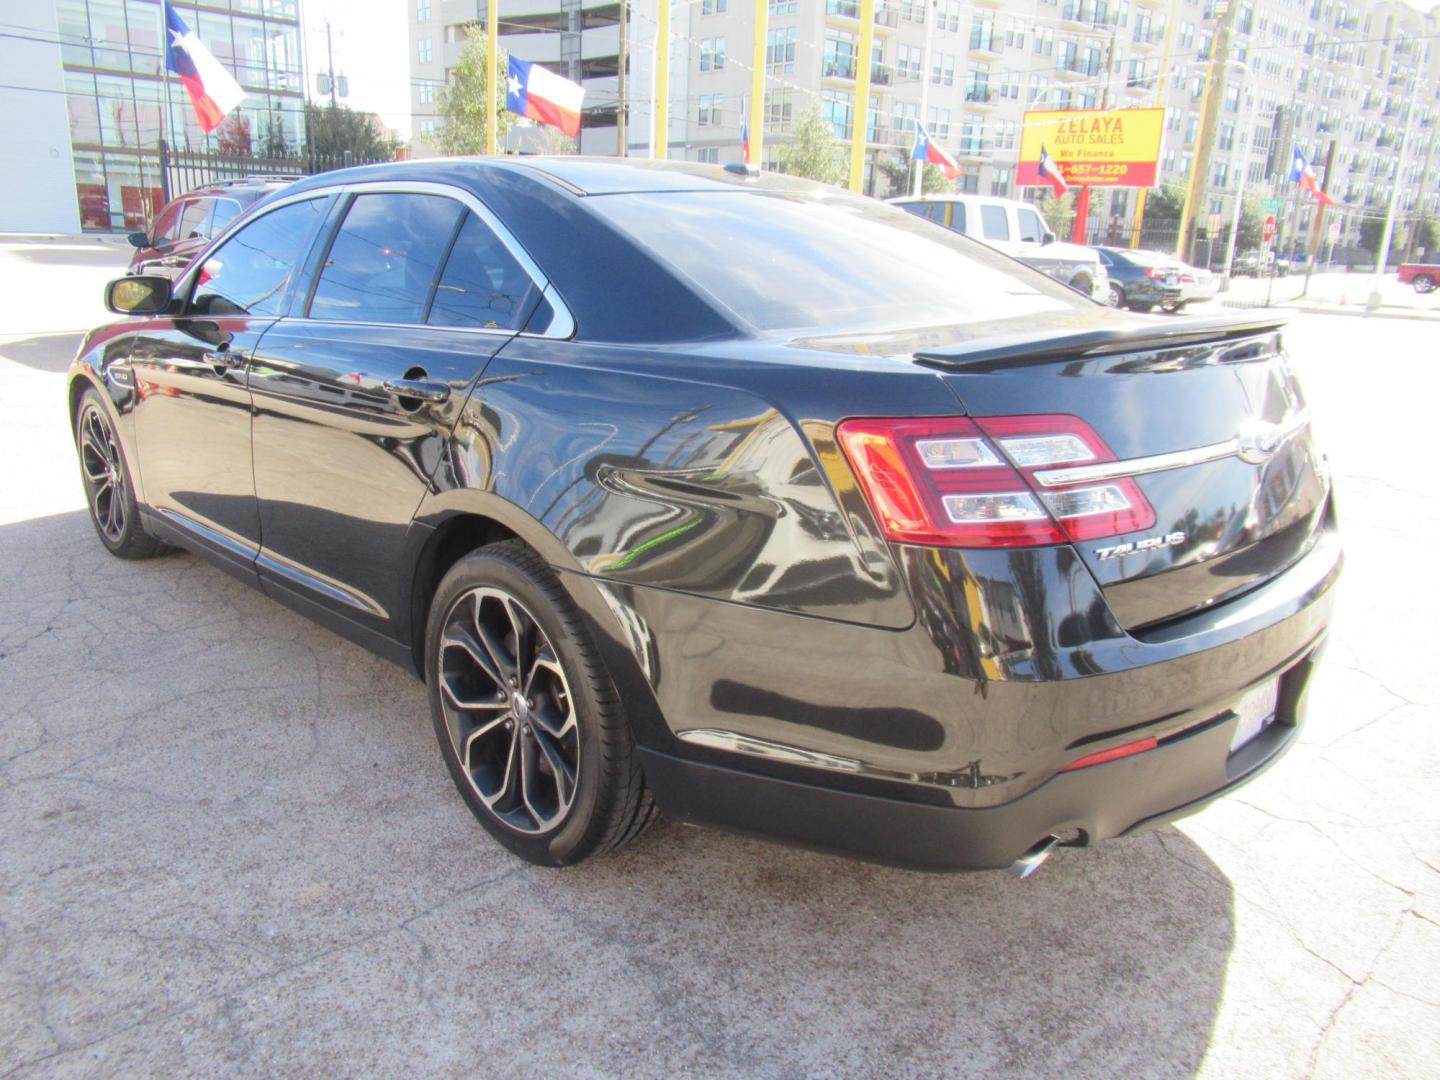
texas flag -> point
(1050, 170)
(926, 150)
(745, 138)
(1302, 174)
(531, 90)
(212, 91)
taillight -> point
(1115, 753)
(1154, 272)
(956, 482)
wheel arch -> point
(458, 522)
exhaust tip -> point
(1028, 863)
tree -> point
(1251, 233)
(1424, 238)
(335, 130)
(896, 171)
(1059, 213)
(276, 144)
(1373, 228)
(1162, 217)
(464, 102)
(233, 135)
(813, 150)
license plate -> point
(1256, 711)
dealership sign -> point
(1093, 147)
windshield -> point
(784, 261)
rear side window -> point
(995, 223)
(482, 285)
(1031, 227)
(957, 217)
(195, 220)
(383, 262)
(250, 272)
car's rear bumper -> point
(1182, 775)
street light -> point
(1249, 135)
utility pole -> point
(620, 79)
(1209, 120)
(861, 120)
(1383, 255)
(492, 77)
(756, 118)
(931, 14)
(660, 100)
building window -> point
(942, 69)
(978, 85)
(779, 108)
(714, 7)
(784, 7)
(424, 51)
(711, 106)
(427, 130)
(982, 33)
(1000, 182)
(422, 10)
(840, 54)
(780, 50)
(709, 155)
(837, 108)
(427, 91)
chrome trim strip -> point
(1179, 459)
(714, 739)
(562, 326)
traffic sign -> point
(1272, 205)
(1269, 232)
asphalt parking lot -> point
(228, 845)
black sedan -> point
(1141, 280)
(738, 496)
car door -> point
(192, 419)
(355, 394)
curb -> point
(1356, 311)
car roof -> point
(244, 187)
(581, 176)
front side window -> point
(250, 273)
(1031, 227)
(195, 221)
(383, 262)
(483, 285)
(994, 223)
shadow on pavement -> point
(224, 818)
(44, 352)
(99, 255)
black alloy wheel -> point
(108, 491)
(528, 720)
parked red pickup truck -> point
(1424, 276)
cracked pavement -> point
(228, 845)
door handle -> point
(431, 391)
(222, 360)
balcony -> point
(982, 97)
(1076, 69)
(984, 44)
(849, 11)
(880, 75)
(842, 70)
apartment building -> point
(579, 39)
(1302, 72)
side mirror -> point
(1048, 238)
(139, 240)
(138, 295)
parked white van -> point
(1017, 229)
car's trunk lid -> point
(1205, 414)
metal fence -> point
(186, 170)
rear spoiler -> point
(993, 353)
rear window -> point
(785, 262)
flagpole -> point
(165, 86)
(918, 184)
(492, 88)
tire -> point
(1082, 285)
(1424, 284)
(1116, 296)
(1173, 307)
(528, 720)
(109, 491)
